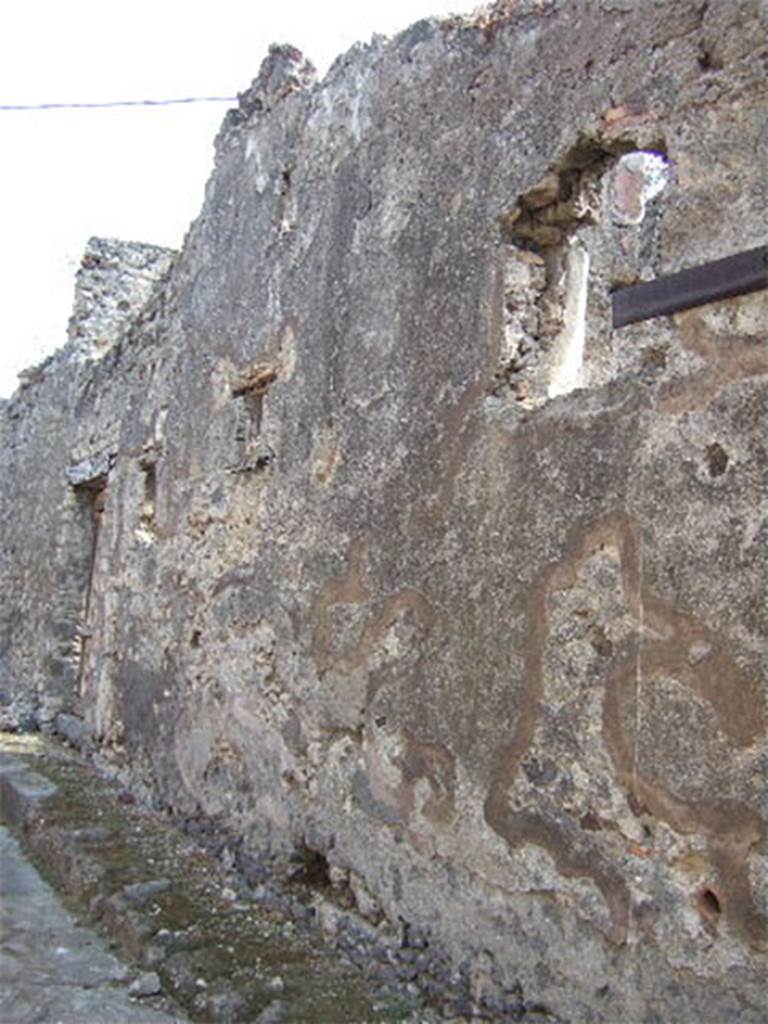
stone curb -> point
(196, 965)
(22, 792)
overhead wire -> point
(117, 103)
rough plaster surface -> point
(314, 552)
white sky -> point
(125, 173)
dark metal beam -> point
(722, 279)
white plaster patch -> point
(637, 179)
(568, 360)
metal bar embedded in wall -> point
(721, 279)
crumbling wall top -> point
(114, 282)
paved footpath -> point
(52, 970)
(201, 940)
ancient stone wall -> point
(368, 536)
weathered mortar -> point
(360, 584)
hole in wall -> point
(150, 496)
(312, 869)
(147, 529)
(709, 904)
(249, 390)
(546, 277)
(565, 199)
(653, 358)
(254, 381)
(88, 490)
(708, 61)
(717, 459)
(546, 285)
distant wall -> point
(361, 531)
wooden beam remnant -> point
(721, 279)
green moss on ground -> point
(210, 946)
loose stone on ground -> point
(167, 905)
